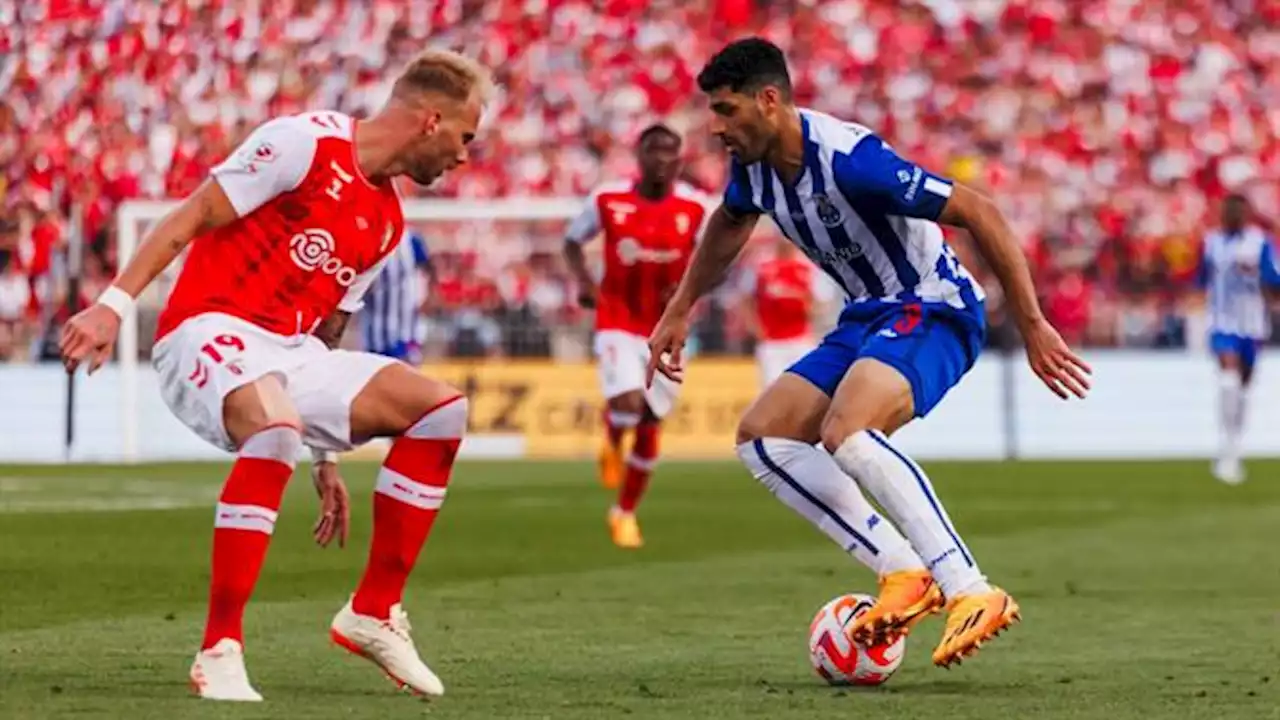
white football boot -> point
(387, 644)
(218, 674)
(1229, 470)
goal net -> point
(508, 295)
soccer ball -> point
(840, 661)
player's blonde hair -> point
(446, 72)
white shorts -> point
(210, 355)
(775, 356)
(622, 361)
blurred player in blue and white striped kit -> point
(392, 318)
(1237, 266)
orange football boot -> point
(906, 598)
(972, 620)
(624, 529)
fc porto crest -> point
(828, 213)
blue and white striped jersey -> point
(1233, 270)
(390, 318)
(861, 213)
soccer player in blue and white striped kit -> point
(392, 312)
(914, 324)
(1237, 264)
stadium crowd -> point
(1108, 130)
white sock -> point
(907, 496)
(1231, 397)
(1242, 403)
(807, 480)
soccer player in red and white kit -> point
(649, 227)
(285, 239)
(781, 294)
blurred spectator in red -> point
(1067, 305)
(15, 296)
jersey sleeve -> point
(1204, 268)
(898, 186)
(353, 301)
(586, 225)
(737, 194)
(421, 255)
(1267, 265)
(273, 160)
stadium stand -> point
(1107, 129)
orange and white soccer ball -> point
(838, 659)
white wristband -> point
(323, 456)
(118, 300)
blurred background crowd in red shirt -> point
(1108, 130)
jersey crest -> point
(828, 213)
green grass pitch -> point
(1148, 591)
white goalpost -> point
(484, 226)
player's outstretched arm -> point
(91, 333)
(582, 230)
(725, 235)
(1057, 366)
(205, 209)
(576, 259)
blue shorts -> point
(398, 350)
(1229, 344)
(932, 344)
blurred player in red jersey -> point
(649, 228)
(781, 295)
(286, 238)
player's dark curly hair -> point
(746, 66)
(658, 128)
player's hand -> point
(666, 347)
(1064, 372)
(90, 334)
(587, 297)
(335, 505)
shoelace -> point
(398, 623)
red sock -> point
(644, 453)
(242, 526)
(617, 424)
(411, 488)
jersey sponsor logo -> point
(914, 179)
(828, 213)
(620, 211)
(630, 252)
(312, 250)
(837, 256)
(779, 290)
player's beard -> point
(425, 173)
